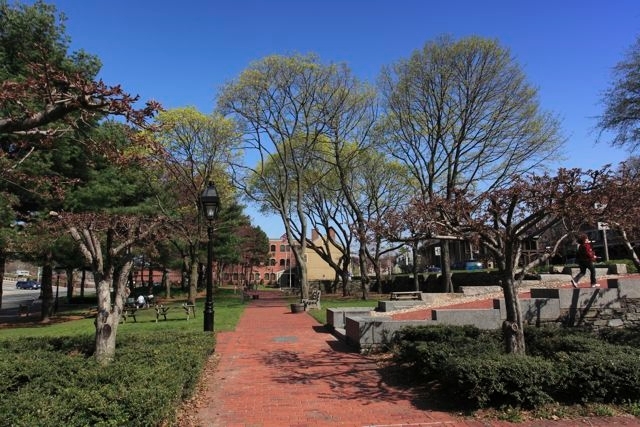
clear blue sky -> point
(180, 52)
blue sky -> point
(181, 52)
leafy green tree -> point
(197, 149)
(46, 95)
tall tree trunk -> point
(364, 274)
(3, 260)
(82, 282)
(193, 281)
(46, 309)
(70, 273)
(414, 266)
(165, 282)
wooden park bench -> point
(189, 309)
(161, 310)
(406, 295)
(25, 309)
(129, 311)
(313, 301)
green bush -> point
(152, 373)
(498, 380)
(561, 366)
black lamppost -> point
(210, 206)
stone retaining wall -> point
(616, 306)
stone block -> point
(386, 306)
(533, 310)
(555, 277)
(481, 318)
(588, 298)
(479, 290)
(545, 293)
(366, 332)
(618, 269)
(336, 316)
(629, 287)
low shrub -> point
(561, 366)
(54, 381)
(497, 380)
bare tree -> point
(622, 102)
(461, 116)
(284, 105)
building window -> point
(272, 261)
(235, 277)
(282, 263)
(266, 276)
(281, 248)
(273, 248)
(273, 277)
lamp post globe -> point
(210, 203)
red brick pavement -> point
(283, 369)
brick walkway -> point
(282, 369)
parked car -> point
(469, 264)
(27, 284)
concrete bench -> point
(406, 295)
(313, 301)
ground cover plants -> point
(51, 379)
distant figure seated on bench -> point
(313, 301)
(161, 310)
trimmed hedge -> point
(152, 373)
(562, 366)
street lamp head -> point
(210, 202)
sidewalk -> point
(282, 369)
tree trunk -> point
(3, 260)
(632, 253)
(193, 281)
(364, 275)
(446, 267)
(165, 283)
(414, 266)
(46, 309)
(512, 326)
(70, 274)
(83, 278)
(106, 323)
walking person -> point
(585, 257)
